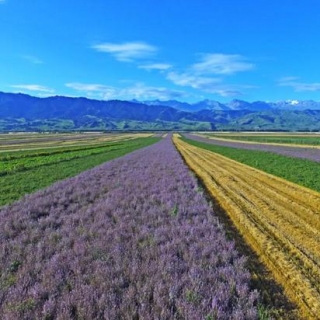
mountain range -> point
(21, 112)
(238, 105)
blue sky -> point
(168, 49)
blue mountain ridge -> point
(24, 112)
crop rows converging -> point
(28, 142)
(302, 151)
(25, 172)
(280, 220)
(271, 138)
(304, 172)
(133, 238)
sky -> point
(187, 50)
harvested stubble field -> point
(279, 220)
(133, 238)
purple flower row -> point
(131, 239)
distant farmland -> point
(34, 161)
(101, 226)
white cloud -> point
(193, 81)
(33, 87)
(209, 74)
(206, 84)
(128, 51)
(156, 66)
(224, 64)
(297, 85)
(138, 91)
(87, 87)
(94, 90)
(32, 59)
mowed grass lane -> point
(278, 219)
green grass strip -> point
(27, 163)
(301, 171)
(56, 149)
(15, 186)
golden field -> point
(278, 219)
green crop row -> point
(46, 158)
(20, 183)
(301, 171)
(30, 153)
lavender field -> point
(131, 239)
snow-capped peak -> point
(293, 102)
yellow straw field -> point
(278, 219)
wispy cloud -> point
(33, 87)
(87, 87)
(209, 74)
(2, 1)
(138, 91)
(207, 84)
(141, 91)
(128, 51)
(156, 66)
(222, 64)
(297, 85)
(191, 80)
(32, 59)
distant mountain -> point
(189, 107)
(21, 112)
(296, 105)
(253, 106)
(25, 106)
(276, 119)
(238, 105)
(183, 106)
(24, 112)
(210, 105)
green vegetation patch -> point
(22, 161)
(44, 170)
(301, 171)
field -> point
(134, 238)
(299, 165)
(137, 226)
(29, 163)
(34, 141)
(296, 139)
(279, 219)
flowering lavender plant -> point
(131, 239)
